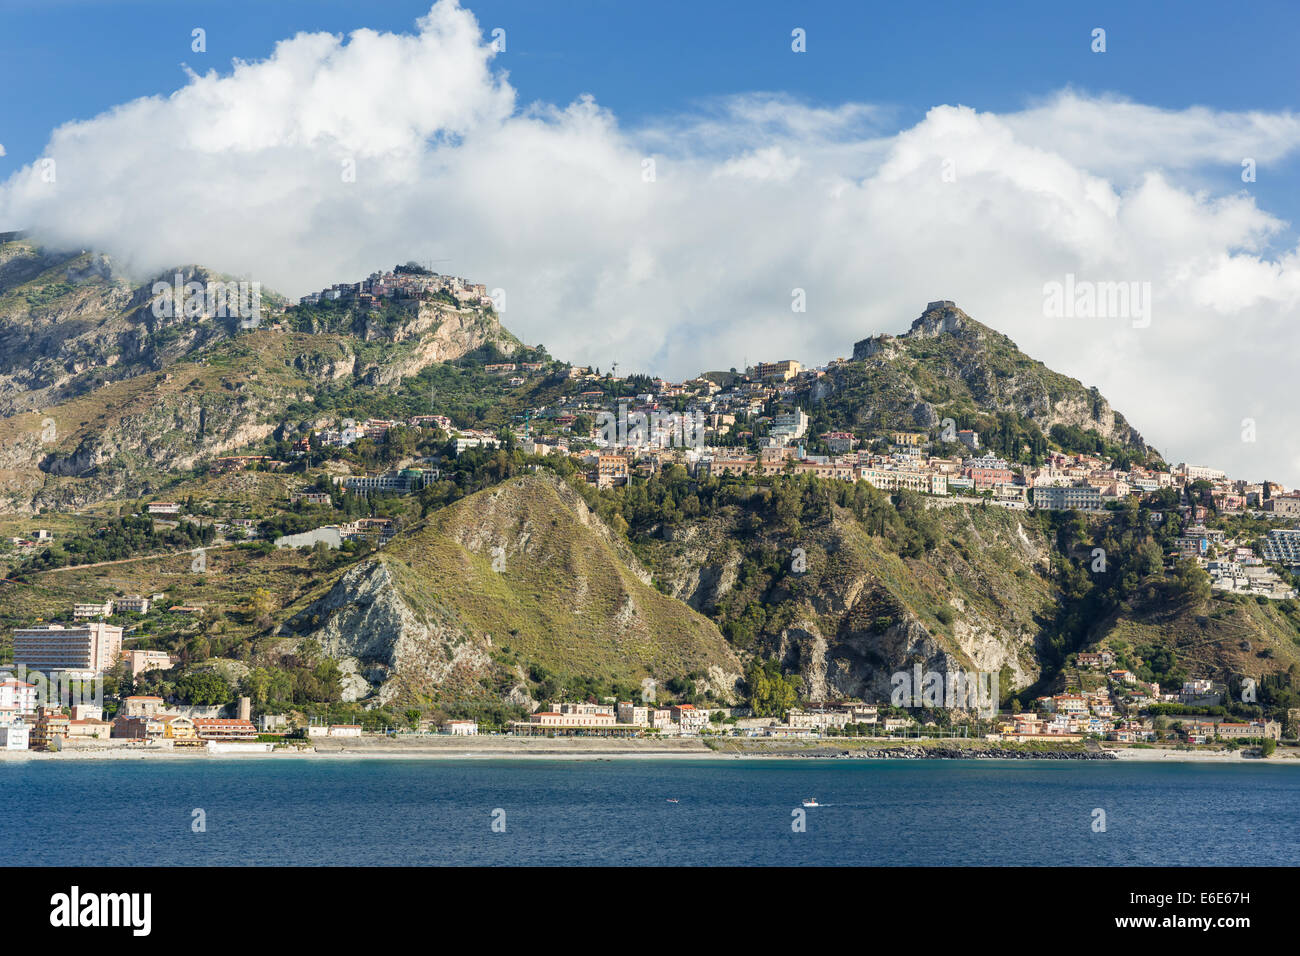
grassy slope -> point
(566, 598)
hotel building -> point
(84, 652)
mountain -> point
(511, 580)
(101, 398)
(947, 365)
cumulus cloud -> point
(676, 246)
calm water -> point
(893, 813)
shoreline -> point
(593, 749)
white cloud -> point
(753, 197)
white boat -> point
(811, 802)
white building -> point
(630, 713)
(460, 728)
(17, 696)
(133, 602)
(690, 718)
(88, 612)
(790, 425)
(15, 736)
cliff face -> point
(858, 613)
(386, 649)
(947, 359)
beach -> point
(426, 747)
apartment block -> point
(85, 651)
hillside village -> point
(762, 422)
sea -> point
(250, 811)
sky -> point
(675, 187)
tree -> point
(771, 693)
(204, 688)
(260, 605)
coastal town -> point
(51, 700)
(755, 423)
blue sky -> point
(825, 172)
(72, 59)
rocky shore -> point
(958, 753)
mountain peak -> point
(939, 317)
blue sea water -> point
(268, 811)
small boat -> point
(811, 802)
(673, 800)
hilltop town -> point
(340, 496)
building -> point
(690, 718)
(630, 713)
(88, 612)
(570, 719)
(133, 603)
(181, 731)
(15, 735)
(312, 498)
(1071, 498)
(141, 727)
(1198, 472)
(222, 728)
(344, 730)
(1284, 506)
(839, 442)
(1270, 729)
(49, 731)
(402, 482)
(17, 697)
(611, 470)
(988, 472)
(1282, 545)
(789, 425)
(1101, 659)
(83, 652)
(778, 371)
(821, 719)
(460, 728)
(138, 662)
(89, 728)
(163, 508)
(141, 705)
